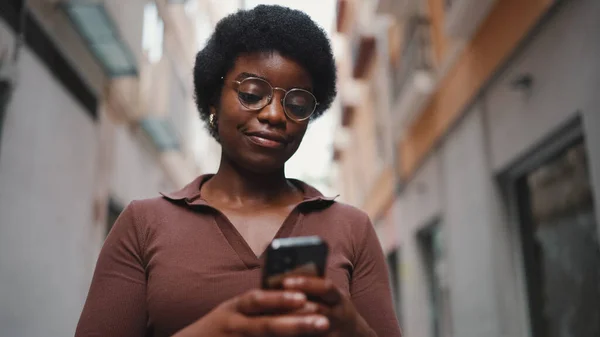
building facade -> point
(495, 187)
(97, 110)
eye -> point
(297, 110)
(299, 103)
(249, 98)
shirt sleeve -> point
(116, 302)
(370, 287)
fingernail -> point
(291, 282)
(294, 296)
(310, 307)
(321, 322)
(258, 295)
(299, 297)
(310, 320)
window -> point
(415, 55)
(434, 257)
(560, 246)
(153, 33)
(5, 89)
(114, 210)
(392, 260)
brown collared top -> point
(169, 261)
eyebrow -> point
(245, 75)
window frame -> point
(515, 195)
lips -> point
(267, 139)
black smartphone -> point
(301, 256)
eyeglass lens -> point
(255, 94)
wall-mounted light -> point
(523, 83)
(95, 25)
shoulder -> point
(339, 210)
(349, 213)
(145, 214)
(341, 220)
(346, 228)
(145, 208)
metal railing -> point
(416, 54)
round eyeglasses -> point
(255, 93)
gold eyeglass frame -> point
(270, 98)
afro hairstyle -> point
(290, 32)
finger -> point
(307, 309)
(262, 302)
(315, 288)
(282, 326)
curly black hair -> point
(262, 29)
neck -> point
(240, 185)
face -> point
(261, 140)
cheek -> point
(229, 115)
(299, 130)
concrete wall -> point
(419, 206)
(48, 244)
(50, 173)
(459, 181)
(468, 221)
(563, 62)
(136, 173)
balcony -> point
(416, 55)
(413, 76)
(363, 54)
(399, 9)
(348, 112)
(351, 95)
(100, 31)
(343, 7)
(341, 142)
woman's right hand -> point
(261, 313)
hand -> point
(345, 321)
(260, 313)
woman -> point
(189, 263)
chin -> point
(259, 162)
(262, 165)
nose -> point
(273, 112)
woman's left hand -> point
(345, 321)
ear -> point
(213, 110)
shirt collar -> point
(190, 194)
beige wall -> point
(500, 34)
(366, 163)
